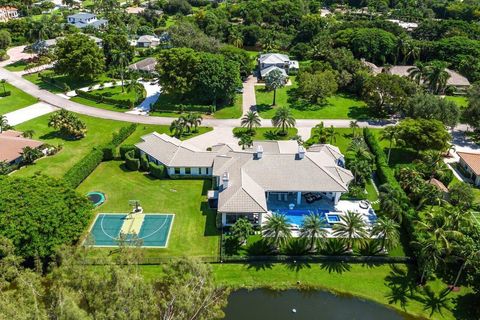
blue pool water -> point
(297, 216)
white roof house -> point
(455, 79)
(84, 19)
(266, 71)
(278, 60)
(250, 180)
(147, 41)
(8, 13)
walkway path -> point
(16, 54)
(28, 113)
(249, 101)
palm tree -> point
(392, 202)
(277, 228)
(469, 256)
(386, 230)
(390, 134)
(121, 59)
(193, 120)
(283, 119)
(417, 73)
(3, 81)
(354, 125)
(430, 255)
(313, 227)
(320, 132)
(3, 123)
(332, 134)
(436, 77)
(28, 133)
(29, 155)
(177, 127)
(351, 227)
(134, 86)
(235, 38)
(245, 141)
(273, 81)
(251, 120)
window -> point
(188, 171)
(177, 170)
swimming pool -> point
(298, 216)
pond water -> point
(262, 304)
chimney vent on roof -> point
(259, 152)
(301, 152)
(225, 180)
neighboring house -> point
(256, 181)
(470, 163)
(456, 80)
(148, 41)
(84, 19)
(440, 186)
(12, 144)
(42, 45)
(408, 26)
(276, 61)
(8, 13)
(146, 65)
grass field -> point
(233, 111)
(111, 92)
(267, 133)
(339, 106)
(193, 232)
(99, 132)
(461, 101)
(17, 100)
(19, 65)
(73, 83)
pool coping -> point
(117, 213)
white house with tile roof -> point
(276, 61)
(253, 182)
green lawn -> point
(99, 132)
(193, 233)
(73, 83)
(143, 129)
(266, 133)
(233, 111)
(17, 100)
(339, 106)
(461, 101)
(344, 137)
(111, 92)
(19, 65)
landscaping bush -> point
(143, 162)
(127, 103)
(108, 152)
(131, 162)
(126, 148)
(5, 94)
(156, 170)
(123, 134)
(82, 169)
(181, 108)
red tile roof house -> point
(470, 163)
(12, 144)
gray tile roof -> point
(266, 71)
(274, 58)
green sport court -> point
(152, 228)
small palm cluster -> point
(68, 124)
(185, 124)
(351, 230)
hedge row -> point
(185, 108)
(126, 148)
(157, 171)
(127, 103)
(83, 168)
(131, 162)
(387, 176)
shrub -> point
(125, 103)
(143, 162)
(5, 94)
(124, 149)
(131, 162)
(108, 152)
(156, 170)
(123, 134)
(82, 169)
(181, 108)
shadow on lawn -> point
(335, 266)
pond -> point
(263, 304)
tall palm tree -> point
(417, 73)
(277, 229)
(251, 120)
(283, 119)
(121, 59)
(430, 256)
(245, 141)
(392, 202)
(354, 125)
(320, 132)
(386, 230)
(235, 37)
(134, 86)
(3, 123)
(332, 134)
(194, 120)
(469, 255)
(437, 76)
(390, 134)
(177, 127)
(274, 80)
(313, 228)
(352, 227)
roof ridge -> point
(242, 172)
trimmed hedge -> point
(181, 108)
(124, 149)
(157, 171)
(5, 94)
(131, 162)
(387, 176)
(109, 152)
(123, 134)
(83, 168)
(127, 103)
(143, 162)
